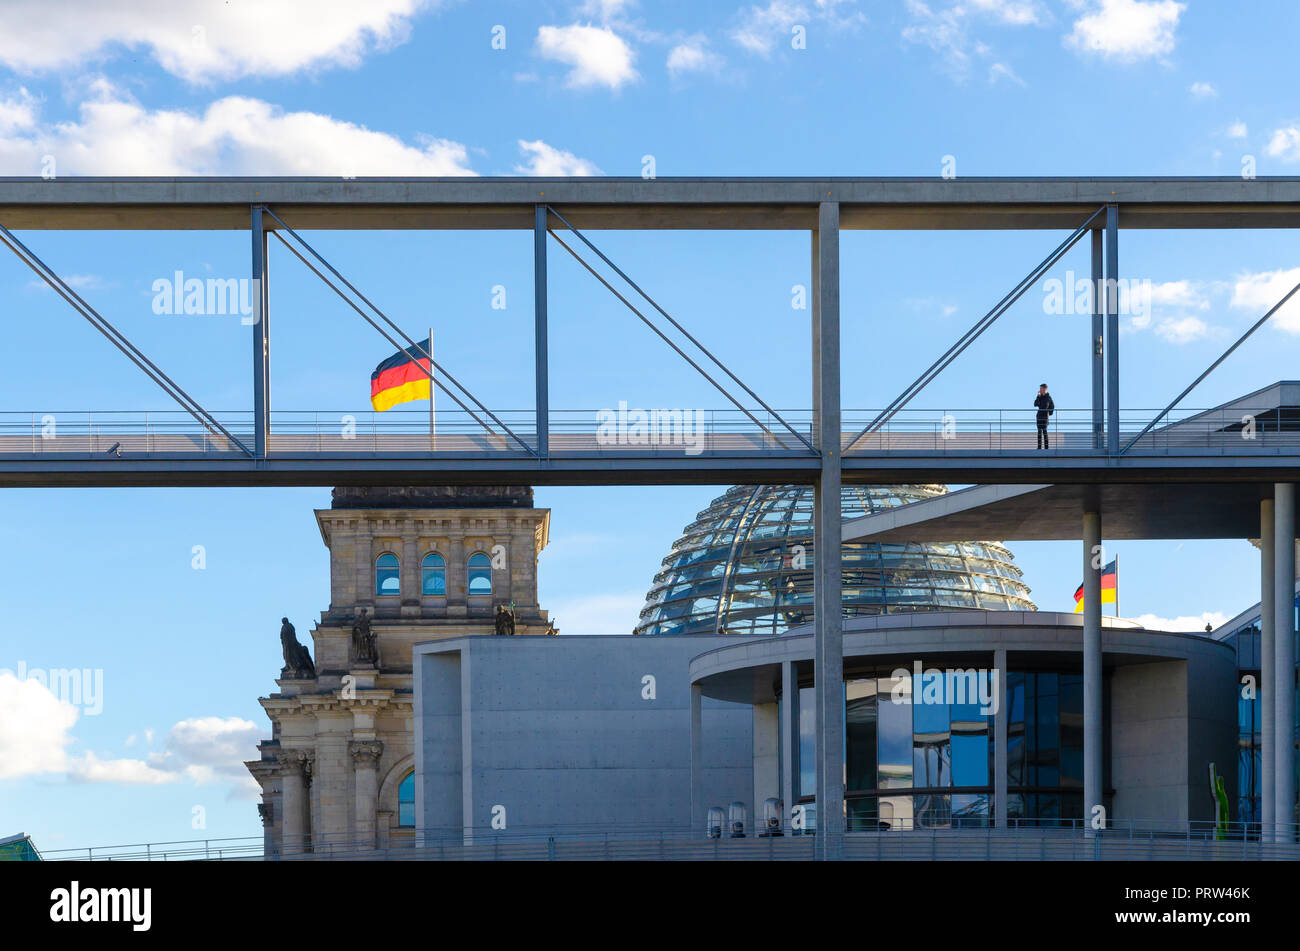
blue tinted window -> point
(433, 576)
(480, 574)
(387, 575)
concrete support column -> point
(697, 759)
(295, 771)
(1264, 689)
(1000, 739)
(365, 761)
(1092, 697)
(767, 746)
(1284, 765)
(789, 741)
(828, 650)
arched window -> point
(387, 574)
(406, 802)
(433, 575)
(480, 573)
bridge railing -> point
(632, 431)
(1069, 430)
(1136, 839)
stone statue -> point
(501, 620)
(297, 661)
(510, 621)
(364, 648)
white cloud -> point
(89, 768)
(34, 728)
(36, 733)
(1180, 294)
(598, 613)
(1203, 90)
(693, 56)
(605, 10)
(1182, 329)
(1127, 30)
(1187, 623)
(1257, 292)
(1237, 130)
(1003, 71)
(1013, 12)
(201, 40)
(947, 31)
(114, 135)
(598, 56)
(759, 29)
(1284, 144)
(550, 162)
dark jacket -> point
(1043, 403)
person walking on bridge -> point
(1043, 403)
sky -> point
(171, 598)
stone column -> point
(697, 759)
(1092, 660)
(1000, 719)
(1284, 562)
(789, 741)
(295, 773)
(365, 760)
(1264, 689)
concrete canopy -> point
(1054, 512)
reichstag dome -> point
(744, 566)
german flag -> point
(1109, 576)
(401, 378)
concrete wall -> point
(1169, 721)
(562, 732)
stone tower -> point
(423, 563)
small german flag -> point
(401, 378)
(1109, 587)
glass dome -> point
(744, 566)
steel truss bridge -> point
(748, 440)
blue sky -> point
(103, 579)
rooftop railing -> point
(651, 431)
(1023, 839)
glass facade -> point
(919, 750)
(744, 566)
(1245, 641)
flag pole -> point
(433, 438)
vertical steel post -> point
(1284, 766)
(1264, 688)
(827, 541)
(261, 336)
(1098, 342)
(1092, 694)
(540, 372)
(1112, 328)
